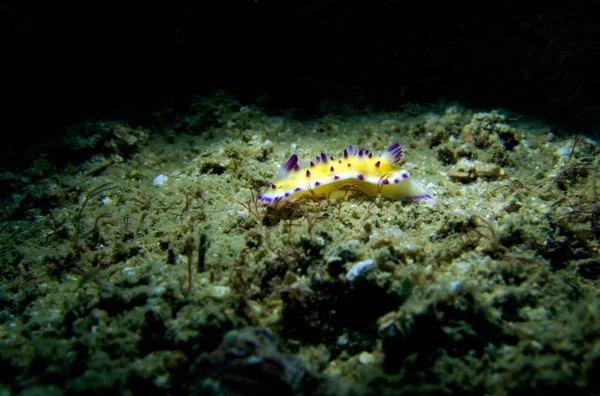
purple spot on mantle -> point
(307, 173)
(404, 175)
(317, 184)
(297, 189)
(312, 164)
(287, 194)
(273, 186)
(331, 169)
(339, 161)
(336, 177)
(324, 158)
(377, 164)
(396, 181)
(385, 181)
(360, 177)
(345, 154)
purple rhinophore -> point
(324, 158)
(317, 184)
(331, 169)
(307, 173)
(345, 154)
(377, 164)
(289, 165)
(360, 177)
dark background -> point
(72, 63)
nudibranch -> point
(330, 177)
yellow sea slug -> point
(327, 176)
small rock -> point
(366, 358)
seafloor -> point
(147, 265)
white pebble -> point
(366, 358)
(358, 269)
(159, 180)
